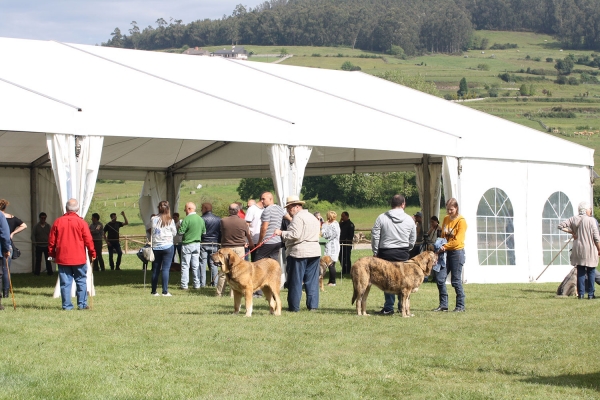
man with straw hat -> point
(303, 252)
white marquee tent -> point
(164, 118)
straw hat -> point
(293, 200)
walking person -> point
(330, 230)
(97, 231)
(586, 248)
(39, 235)
(67, 243)
(454, 228)
(15, 225)
(163, 231)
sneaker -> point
(384, 312)
(331, 284)
(440, 309)
(592, 297)
(458, 310)
(197, 287)
(167, 294)
(155, 294)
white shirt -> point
(253, 218)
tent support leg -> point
(33, 185)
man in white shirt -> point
(253, 214)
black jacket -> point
(213, 228)
(346, 231)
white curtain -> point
(153, 192)
(75, 176)
(450, 176)
(287, 177)
(435, 189)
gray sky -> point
(92, 21)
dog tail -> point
(354, 296)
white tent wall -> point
(528, 186)
(543, 181)
(15, 188)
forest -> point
(411, 27)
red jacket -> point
(69, 237)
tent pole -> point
(426, 206)
(33, 184)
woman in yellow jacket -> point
(454, 228)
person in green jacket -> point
(192, 228)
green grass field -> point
(516, 341)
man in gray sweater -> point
(392, 237)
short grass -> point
(514, 341)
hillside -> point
(567, 108)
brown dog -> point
(400, 278)
(324, 264)
(245, 278)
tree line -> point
(416, 26)
(356, 190)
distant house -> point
(197, 51)
(237, 52)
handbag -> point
(16, 252)
(147, 251)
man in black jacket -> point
(210, 241)
(346, 237)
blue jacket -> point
(4, 235)
(441, 261)
(213, 228)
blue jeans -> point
(206, 251)
(584, 286)
(392, 255)
(301, 270)
(114, 247)
(191, 259)
(162, 262)
(5, 281)
(177, 251)
(66, 274)
(455, 259)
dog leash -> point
(260, 244)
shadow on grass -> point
(585, 381)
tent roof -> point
(208, 116)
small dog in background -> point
(324, 264)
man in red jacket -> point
(69, 237)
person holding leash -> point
(454, 228)
(586, 248)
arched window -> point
(557, 208)
(495, 229)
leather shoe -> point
(440, 309)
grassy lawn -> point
(514, 341)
